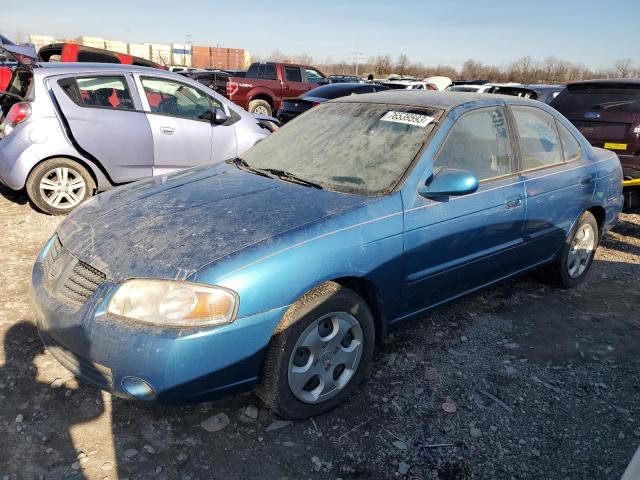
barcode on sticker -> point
(414, 119)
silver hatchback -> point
(72, 129)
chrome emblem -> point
(592, 115)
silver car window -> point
(177, 99)
(99, 92)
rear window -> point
(598, 99)
(102, 92)
(95, 57)
(264, 71)
(337, 90)
(21, 84)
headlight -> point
(172, 303)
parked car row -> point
(277, 262)
(279, 268)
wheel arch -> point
(369, 293)
(262, 95)
(98, 173)
(600, 215)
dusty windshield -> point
(362, 148)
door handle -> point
(167, 130)
(586, 180)
(514, 202)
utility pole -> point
(357, 53)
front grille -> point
(69, 279)
(81, 282)
(81, 367)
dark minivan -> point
(607, 113)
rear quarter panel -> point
(608, 191)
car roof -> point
(60, 68)
(609, 81)
(440, 100)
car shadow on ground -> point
(20, 197)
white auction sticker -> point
(414, 119)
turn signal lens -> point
(18, 113)
(173, 303)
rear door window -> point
(570, 145)
(99, 92)
(293, 74)
(479, 143)
(538, 137)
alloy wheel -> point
(581, 250)
(63, 188)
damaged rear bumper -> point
(178, 365)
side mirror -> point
(219, 116)
(450, 182)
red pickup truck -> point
(267, 84)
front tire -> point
(578, 251)
(319, 354)
(58, 185)
(260, 107)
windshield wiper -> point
(619, 103)
(243, 165)
(273, 173)
(290, 177)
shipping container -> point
(160, 53)
(201, 57)
(116, 46)
(41, 40)
(181, 54)
(140, 50)
(95, 42)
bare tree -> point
(402, 64)
(383, 65)
(623, 68)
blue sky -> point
(593, 32)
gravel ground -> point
(519, 381)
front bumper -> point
(181, 365)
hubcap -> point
(63, 188)
(260, 110)
(581, 250)
(325, 357)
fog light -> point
(137, 387)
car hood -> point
(172, 225)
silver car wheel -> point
(581, 250)
(325, 357)
(63, 188)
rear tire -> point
(260, 107)
(58, 185)
(578, 251)
(339, 327)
